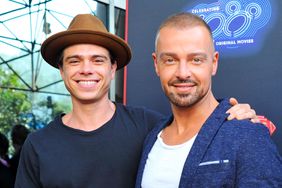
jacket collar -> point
(203, 140)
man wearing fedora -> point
(99, 143)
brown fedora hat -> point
(88, 29)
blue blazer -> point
(225, 154)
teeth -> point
(87, 82)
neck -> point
(89, 116)
(188, 120)
(193, 117)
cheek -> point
(65, 74)
(165, 77)
(163, 74)
(205, 78)
(167, 71)
(61, 73)
(112, 74)
(204, 73)
(107, 74)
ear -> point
(113, 70)
(154, 56)
(215, 63)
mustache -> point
(178, 81)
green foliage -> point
(59, 108)
(17, 108)
(46, 112)
(12, 102)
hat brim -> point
(53, 46)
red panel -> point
(125, 68)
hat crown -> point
(85, 29)
(87, 22)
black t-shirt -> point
(6, 177)
(60, 156)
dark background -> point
(254, 79)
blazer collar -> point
(203, 140)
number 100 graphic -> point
(237, 24)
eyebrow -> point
(167, 54)
(188, 55)
(198, 54)
(93, 56)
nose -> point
(86, 67)
(183, 70)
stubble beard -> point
(185, 100)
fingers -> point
(256, 120)
(233, 101)
(239, 108)
(241, 114)
(241, 111)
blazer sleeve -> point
(260, 164)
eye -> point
(99, 60)
(197, 60)
(168, 60)
(73, 61)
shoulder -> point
(141, 117)
(138, 112)
(247, 135)
(244, 131)
(47, 132)
(245, 127)
(256, 151)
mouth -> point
(87, 83)
(184, 86)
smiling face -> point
(87, 72)
(185, 62)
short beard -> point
(184, 100)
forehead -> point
(86, 49)
(184, 38)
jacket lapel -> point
(202, 142)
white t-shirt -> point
(165, 163)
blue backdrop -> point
(248, 35)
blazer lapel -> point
(202, 142)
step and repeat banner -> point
(248, 36)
